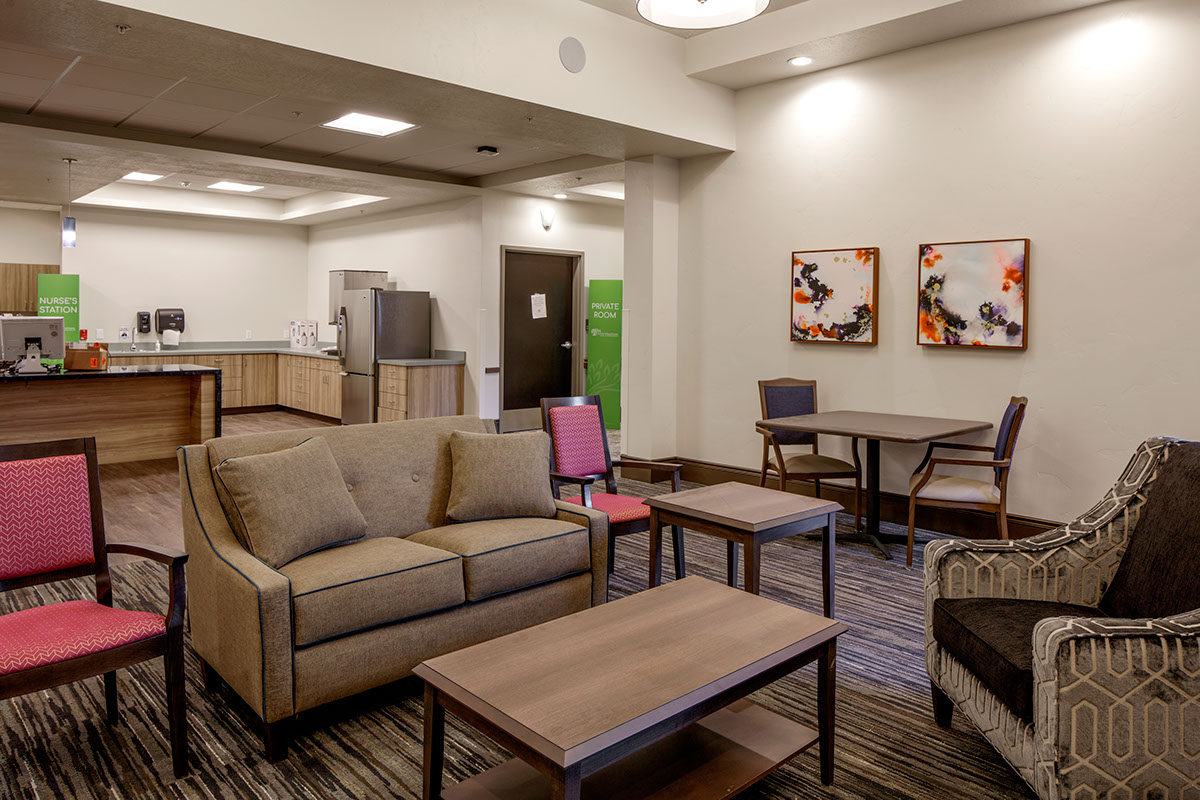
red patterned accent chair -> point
(52, 529)
(580, 456)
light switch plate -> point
(98, 334)
(124, 334)
(249, 334)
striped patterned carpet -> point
(56, 743)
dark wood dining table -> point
(876, 428)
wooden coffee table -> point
(642, 697)
(748, 515)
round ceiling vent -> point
(572, 54)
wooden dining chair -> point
(52, 529)
(928, 488)
(793, 397)
(579, 455)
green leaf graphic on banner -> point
(604, 347)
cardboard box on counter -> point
(93, 357)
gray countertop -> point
(131, 371)
(280, 347)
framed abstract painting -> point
(974, 294)
(833, 295)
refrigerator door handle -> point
(341, 336)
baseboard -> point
(892, 507)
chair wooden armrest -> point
(578, 480)
(971, 462)
(175, 559)
(767, 432)
(163, 555)
(979, 448)
(630, 461)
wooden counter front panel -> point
(133, 419)
(435, 391)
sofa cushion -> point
(503, 555)
(290, 503)
(994, 639)
(369, 583)
(398, 472)
(1159, 575)
(496, 476)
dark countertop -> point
(441, 357)
(134, 371)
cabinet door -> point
(258, 379)
(283, 381)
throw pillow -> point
(291, 502)
(499, 475)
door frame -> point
(578, 333)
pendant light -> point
(68, 223)
(700, 14)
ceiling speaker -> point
(572, 55)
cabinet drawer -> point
(392, 372)
(397, 402)
(388, 415)
(300, 386)
(393, 386)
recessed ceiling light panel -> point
(365, 123)
(230, 186)
(700, 14)
(800, 61)
(141, 176)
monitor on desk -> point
(18, 333)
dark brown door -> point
(538, 339)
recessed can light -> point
(800, 61)
(141, 176)
(365, 123)
(560, 196)
(230, 186)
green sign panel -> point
(604, 347)
(58, 296)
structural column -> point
(651, 307)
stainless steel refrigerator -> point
(374, 324)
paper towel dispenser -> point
(168, 319)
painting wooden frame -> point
(855, 308)
(989, 278)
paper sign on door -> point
(538, 304)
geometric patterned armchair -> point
(52, 529)
(1077, 652)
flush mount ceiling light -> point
(230, 186)
(365, 123)
(800, 61)
(699, 14)
(141, 176)
(560, 196)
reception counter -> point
(136, 412)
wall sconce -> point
(548, 218)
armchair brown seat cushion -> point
(994, 639)
(369, 583)
(503, 555)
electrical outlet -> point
(249, 333)
(98, 334)
(124, 334)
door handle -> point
(567, 345)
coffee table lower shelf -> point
(713, 759)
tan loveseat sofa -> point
(359, 615)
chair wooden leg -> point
(762, 475)
(912, 524)
(110, 697)
(176, 703)
(612, 551)
(276, 738)
(1002, 520)
(943, 706)
(817, 489)
(677, 546)
(858, 501)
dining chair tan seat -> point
(793, 397)
(929, 488)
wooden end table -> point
(748, 515)
(641, 697)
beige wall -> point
(1077, 131)
(30, 237)
(229, 276)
